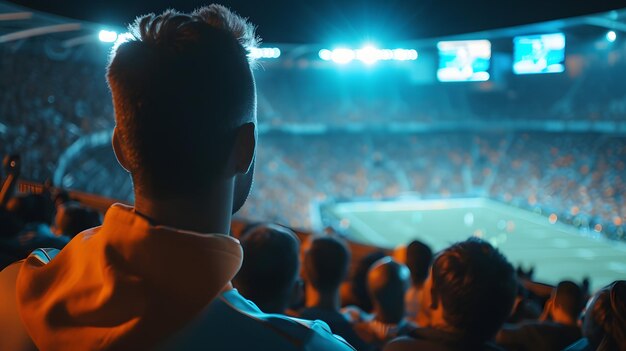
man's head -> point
(418, 258)
(387, 282)
(473, 288)
(185, 103)
(566, 302)
(326, 264)
(269, 274)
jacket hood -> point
(125, 285)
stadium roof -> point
(346, 21)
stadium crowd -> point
(579, 178)
(166, 274)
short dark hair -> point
(418, 258)
(476, 286)
(181, 86)
(270, 263)
(387, 282)
(326, 263)
(568, 296)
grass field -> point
(557, 251)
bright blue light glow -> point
(107, 36)
(368, 55)
(342, 56)
(121, 39)
(269, 53)
(325, 54)
(404, 55)
(611, 36)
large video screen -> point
(539, 54)
(464, 61)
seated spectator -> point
(524, 308)
(604, 321)
(325, 266)
(73, 218)
(269, 273)
(354, 292)
(33, 215)
(418, 259)
(185, 112)
(555, 330)
(387, 284)
(472, 289)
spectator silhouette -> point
(325, 266)
(557, 328)
(472, 288)
(387, 284)
(418, 259)
(355, 292)
(269, 273)
(604, 321)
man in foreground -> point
(185, 110)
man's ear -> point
(117, 149)
(245, 148)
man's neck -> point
(203, 214)
(322, 300)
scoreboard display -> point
(539, 54)
(464, 61)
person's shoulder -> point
(310, 334)
(316, 333)
(234, 323)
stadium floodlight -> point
(368, 55)
(342, 56)
(269, 53)
(107, 36)
(325, 54)
(611, 36)
(404, 55)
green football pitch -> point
(557, 251)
